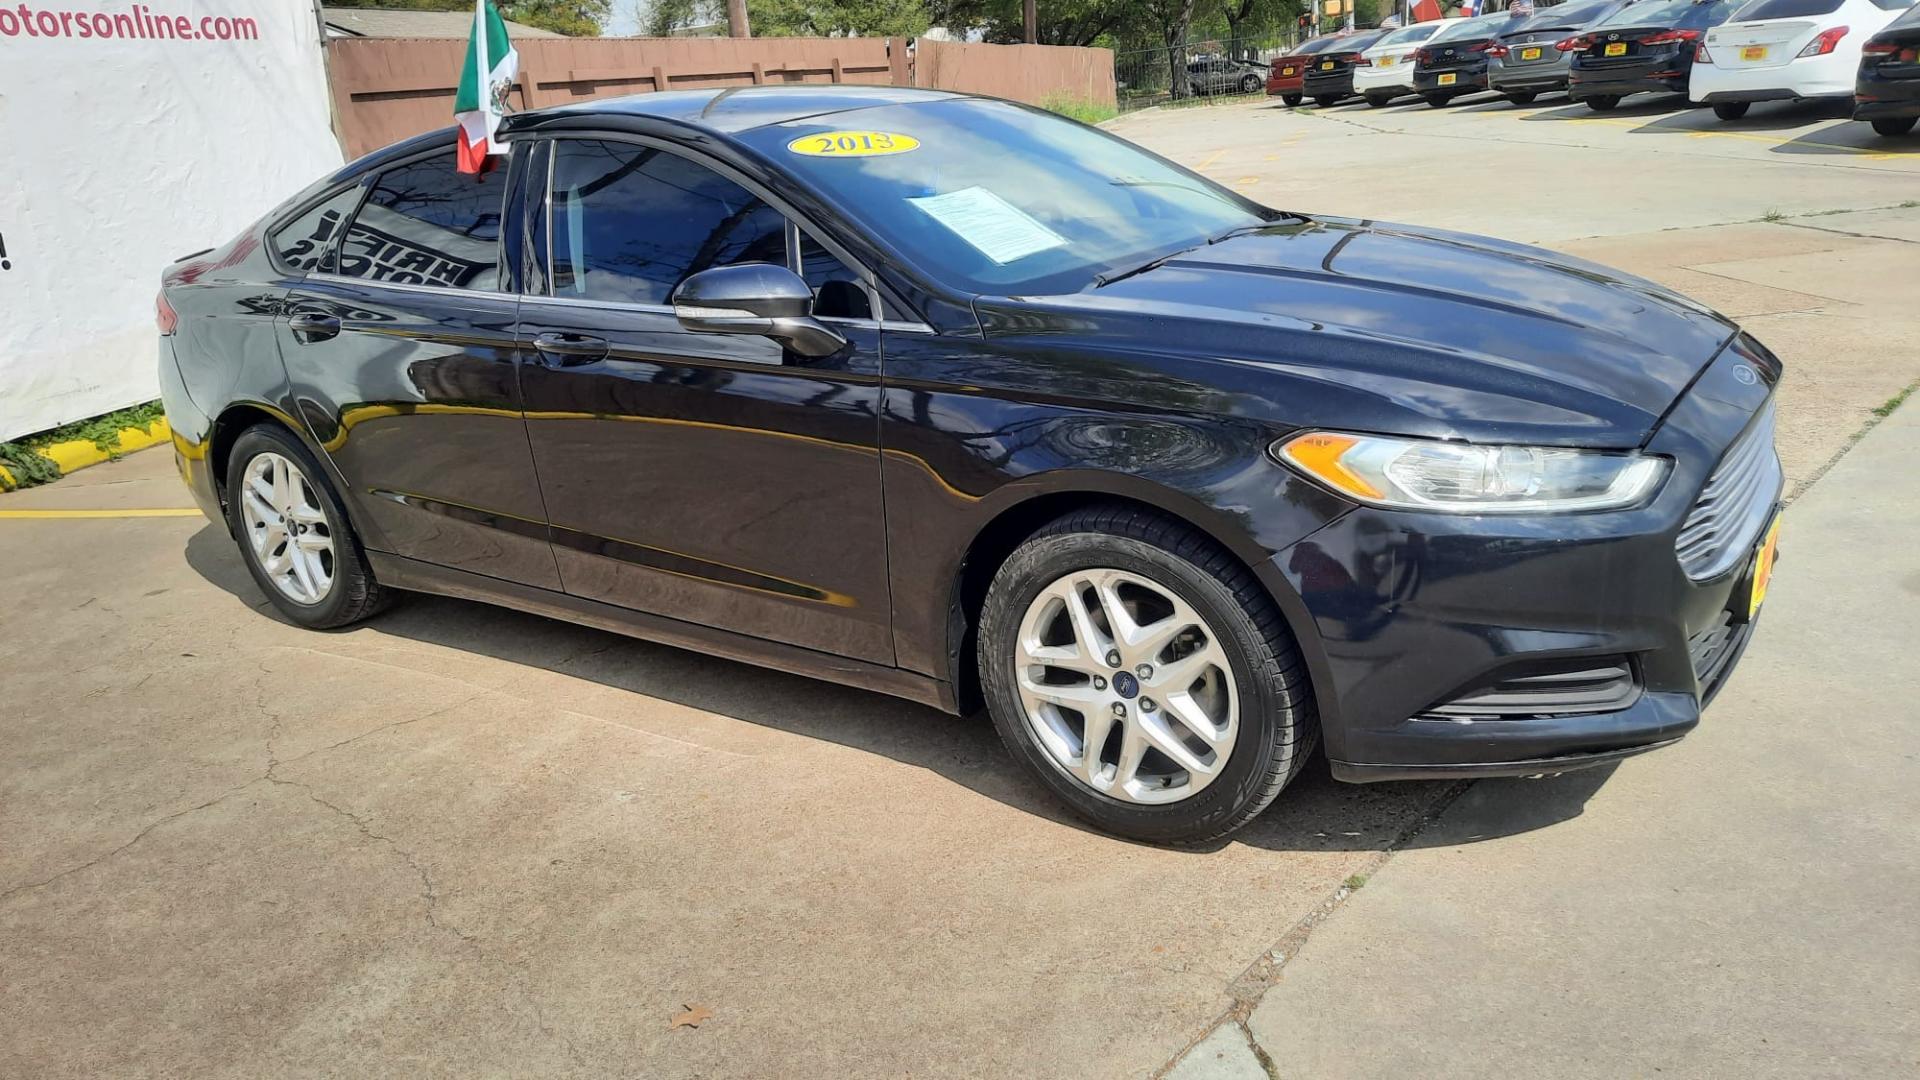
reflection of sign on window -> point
(305, 253)
(384, 246)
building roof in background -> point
(390, 23)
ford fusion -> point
(955, 400)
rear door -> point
(400, 349)
(717, 479)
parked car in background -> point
(1288, 75)
(1887, 91)
(1330, 74)
(1454, 61)
(1526, 61)
(1647, 47)
(1386, 70)
(1221, 75)
(1786, 50)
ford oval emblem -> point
(1745, 375)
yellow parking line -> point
(1208, 160)
(170, 511)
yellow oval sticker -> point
(853, 144)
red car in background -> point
(1287, 81)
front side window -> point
(310, 241)
(427, 223)
(630, 222)
(838, 292)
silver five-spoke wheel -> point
(287, 529)
(1125, 687)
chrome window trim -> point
(408, 286)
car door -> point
(715, 478)
(400, 350)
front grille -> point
(1734, 507)
(1593, 685)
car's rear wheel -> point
(293, 533)
(1378, 101)
(1523, 97)
(1731, 110)
(1603, 102)
(1898, 126)
(1250, 85)
(1438, 101)
(1143, 675)
(1290, 99)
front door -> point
(402, 340)
(718, 479)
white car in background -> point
(1786, 50)
(1385, 71)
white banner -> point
(134, 133)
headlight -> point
(1424, 474)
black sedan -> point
(1330, 75)
(1454, 61)
(1644, 48)
(956, 400)
(1887, 93)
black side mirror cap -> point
(755, 298)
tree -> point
(1170, 20)
(838, 18)
(575, 18)
(1061, 22)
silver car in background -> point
(1525, 62)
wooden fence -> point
(386, 89)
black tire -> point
(1325, 100)
(354, 594)
(1251, 84)
(1895, 126)
(1278, 724)
(1438, 101)
(1290, 100)
(1523, 97)
(1731, 110)
(1603, 103)
(1378, 101)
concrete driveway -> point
(462, 841)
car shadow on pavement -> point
(1315, 813)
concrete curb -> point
(80, 453)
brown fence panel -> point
(386, 89)
(1029, 73)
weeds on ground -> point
(23, 459)
(1081, 109)
(1355, 881)
(1774, 216)
(1885, 408)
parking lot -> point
(465, 841)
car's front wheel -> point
(1144, 676)
(1898, 126)
(1731, 110)
(1250, 85)
(293, 533)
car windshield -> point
(1785, 9)
(1320, 44)
(1564, 17)
(1671, 13)
(1407, 35)
(993, 197)
(1468, 28)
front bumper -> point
(1419, 617)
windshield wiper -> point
(1112, 276)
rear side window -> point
(427, 223)
(1785, 9)
(309, 242)
(630, 223)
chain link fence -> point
(1197, 72)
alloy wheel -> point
(1126, 687)
(286, 529)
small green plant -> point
(1885, 409)
(28, 466)
(1355, 881)
(1081, 109)
(1773, 216)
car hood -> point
(1383, 327)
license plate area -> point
(1616, 48)
(1753, 52)
(1449, 79)
(1752, 591)
(1530, 54)
(1285, 71)
(1326, 65)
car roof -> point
(722, 110)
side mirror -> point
(755, 298)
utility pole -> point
(1029, 11)
(737, 19)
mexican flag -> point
(484, 81)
